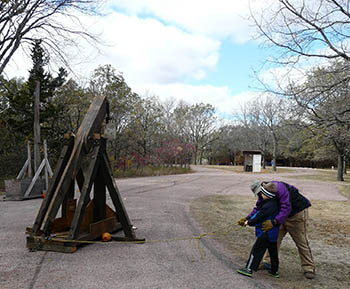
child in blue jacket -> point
(267, 210)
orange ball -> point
(106, 237)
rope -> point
(189, 238)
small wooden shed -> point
(252, 161)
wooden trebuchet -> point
(83, 161)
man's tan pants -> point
(296, 226)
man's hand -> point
(268, 225)
(242, 221)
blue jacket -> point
(267, 210)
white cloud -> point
(146, 50)
(218, 19)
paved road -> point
(159, 208)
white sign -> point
(256, 163)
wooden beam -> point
(35, 178)
(84, 196)
(100, 191)
(116, 198)
(37, 158)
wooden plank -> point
(49, 245)
(62, 161)
(84, 196)
(35, 178)
(116, 198)
(29, 156)
(87, 219)
(92, 123)
(21, 173)
(106, 225)
(100, 191)
(61, 225)
(110, 213)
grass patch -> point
(329, 176)
(150, 171)
(328, 235)
(323, 176)
(239, 169)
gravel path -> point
(159, 208)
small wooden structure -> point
(252, 161)
(25, 186)
(83, 161)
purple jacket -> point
(290, 201)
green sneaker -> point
(245, 272)
(276, 275)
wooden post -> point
(30, 172)
(46, 163)
(37, 126)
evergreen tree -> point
(21, 100)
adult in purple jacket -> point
(292, 217)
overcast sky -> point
(194, 50)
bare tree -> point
(22, 21)
(265, 115)
(317, 33)
(299, 28)
(324, 98)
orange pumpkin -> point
(106, 237)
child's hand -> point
(241, 222)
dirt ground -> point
(329, 236)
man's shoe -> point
(309, 275)
(245, 272)
(276, 275)
(267, 266)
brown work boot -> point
(309, 275)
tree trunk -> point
(195, 155)
(263, 160)
(340, 168)
(274, 152)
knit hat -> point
(257, 188)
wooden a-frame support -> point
(84, 161)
